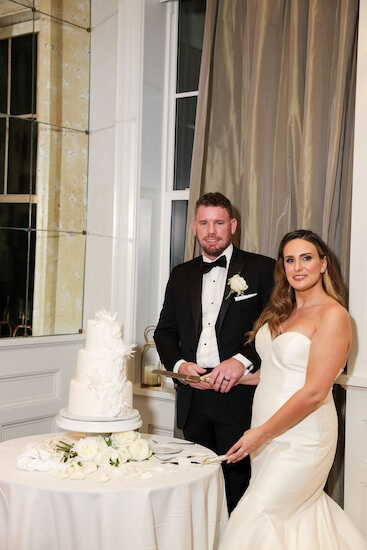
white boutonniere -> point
(237, 285)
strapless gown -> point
(285, 506)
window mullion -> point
(6, 151)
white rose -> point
(123, 439)
(101, 443)
(103, 458)
(238, 284)
(114, 455)
(124, 455)
(140, 450)
(86, 449)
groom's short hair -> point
(214, 199)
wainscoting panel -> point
(29, 388)
(34, 383)
(355, 489)
(35, 426)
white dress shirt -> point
(214, 284)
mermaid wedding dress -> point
(285, 507)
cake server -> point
(215, 459)
(188, 377)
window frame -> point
(170, 195)
(10, 32)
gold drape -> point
(274, 126)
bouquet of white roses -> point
(91, 452)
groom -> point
(210, 303)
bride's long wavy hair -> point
(283, 297)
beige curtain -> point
(275, 116)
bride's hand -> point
(250, 441)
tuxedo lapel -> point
(236, 265)
(196, 278)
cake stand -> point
(130, 421)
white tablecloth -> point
(181, 508)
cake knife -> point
(179, 376)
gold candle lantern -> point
(149, 362)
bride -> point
(303, 337)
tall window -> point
(190, 39)
(18, 138)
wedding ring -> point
(227, 379)
(245, 453)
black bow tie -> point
(220, 262)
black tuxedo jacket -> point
(180, 323)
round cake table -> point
(177, 507)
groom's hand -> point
(194, 369)
(226, 375)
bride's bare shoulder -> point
(333, 312)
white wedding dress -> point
(285, 506)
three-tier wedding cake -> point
(100, 395)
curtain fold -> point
(275, 118)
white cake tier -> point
(102, 404)
(91, 363)
(100, 334)
(100, 388)
(131, 421)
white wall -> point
(117, 42)
(127, 171)
(355, 382)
